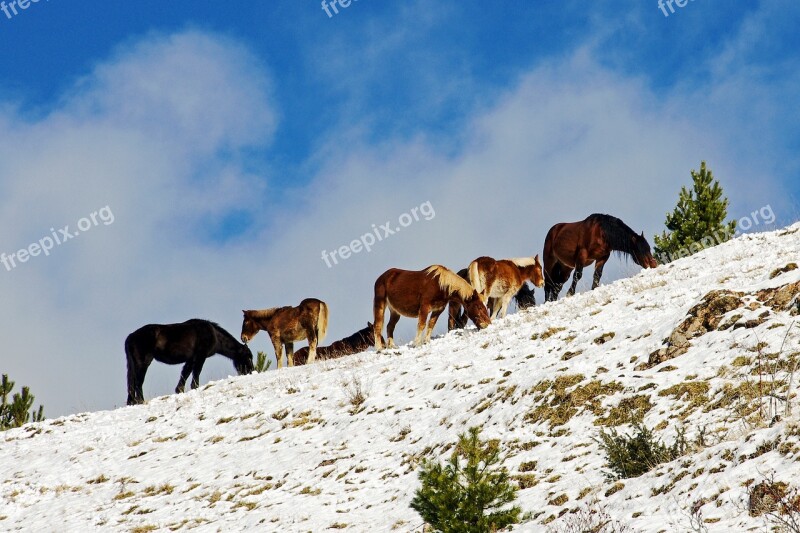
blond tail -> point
(322, 322)
(475, 278)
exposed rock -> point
(783, 298)
(708, 314)
(778, 271)
(773, 497)
(703, 317)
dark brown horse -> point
(189, 343)
(358, 342)
(576, 245)
(498, 281)
(419, 293)
(285, 325)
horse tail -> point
(322, 321)
(475, 278)
(131, 353)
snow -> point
(287, 450)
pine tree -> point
(18, 411)
(456, 497)
(698, 221)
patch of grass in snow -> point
(179, 436)
(694, 393)
(280, 415)
(304, 420)
(559, 400)
(548, 333)
(153, 490)
(629, 410)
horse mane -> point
(616, 232)
(451, 282)
(222, 331)
(263, 313)
(523, 261)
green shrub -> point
(262, 364)
(17, 412)
(471, 493)
(632, 455)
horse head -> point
(249, 328)
(642, 255)
(476, 311)
(538, 274)
(243, 363)
(368, 334)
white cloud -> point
(159, 134)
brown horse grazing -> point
(418, 293)
(576, 245)
(498, 281)
(285, 325)
(190, 343)
(358, 342)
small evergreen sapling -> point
(698, 221)
(262, 364)
(17, 412)
(471, 493)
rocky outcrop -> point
(708, 316)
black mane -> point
(620, 237)
(224, 332)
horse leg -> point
(379, 310)
(552, 282)
(276, 344)
(138, 386)
(290, 353)
(197, 367)
(598, 271)
(432, 324)
(575, 278)
(422, 318)
(494, 308)
(185, 371)
(453, 314)
(394, 318)
(133, 381)
(504, 304)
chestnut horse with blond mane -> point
(576, 245)
(285, 325)
(419, 293)
(498, 281)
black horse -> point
(189, 343)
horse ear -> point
(643, 235)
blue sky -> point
(236, 141)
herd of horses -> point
(479, 293)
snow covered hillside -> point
(701, 344)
